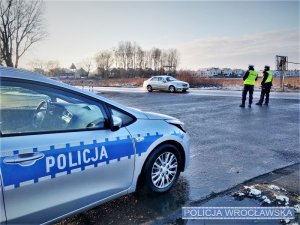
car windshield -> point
(170, 79)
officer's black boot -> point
(258, 103)
(249, 105)
(242, 105)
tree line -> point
(126, 60)
(129, 59)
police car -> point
(64, 150)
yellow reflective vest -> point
(251, 78)
(270, 77)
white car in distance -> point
(165, 83)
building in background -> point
(208, 72)
(227, 72)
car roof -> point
(22, 74)
(162, 76)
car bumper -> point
(186, 146)
(181, 88)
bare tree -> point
(37, 64)
(1, 54)
(129, 54)
(86, 65)
(116, 57)
(21, 26)
(156, 55)
(104, 59)
(51, 65)
(164, 59)
(173, 58)
(148, 59)
(140, 57)
(121, 53)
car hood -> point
(179, 82)
(152, 115)
(158, 116)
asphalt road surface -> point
(229, 145)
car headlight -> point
(178, 124)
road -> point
(198, 92)
(229, 146)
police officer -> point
(266, 85)
(249, 81)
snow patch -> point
(254, 191)
(266, 200)
(274, 187)
(282, 198)
(240, 194)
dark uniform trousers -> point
(265, 91)
(247, 88)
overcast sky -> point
(206, 33)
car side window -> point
(154, 79)
(126, 119)
(26, 108)
(160, 79)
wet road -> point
(200, 92)
(229, 145)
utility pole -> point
(282, 65)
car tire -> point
(162, 168)
(172, 89)
(183, 91)
(149, 88)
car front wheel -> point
(149, 88)
(162, 168)
(172, 89)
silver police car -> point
(165, 83)
(64, 150)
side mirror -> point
(116, 123)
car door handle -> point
(24, 158)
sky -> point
(206, 33)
